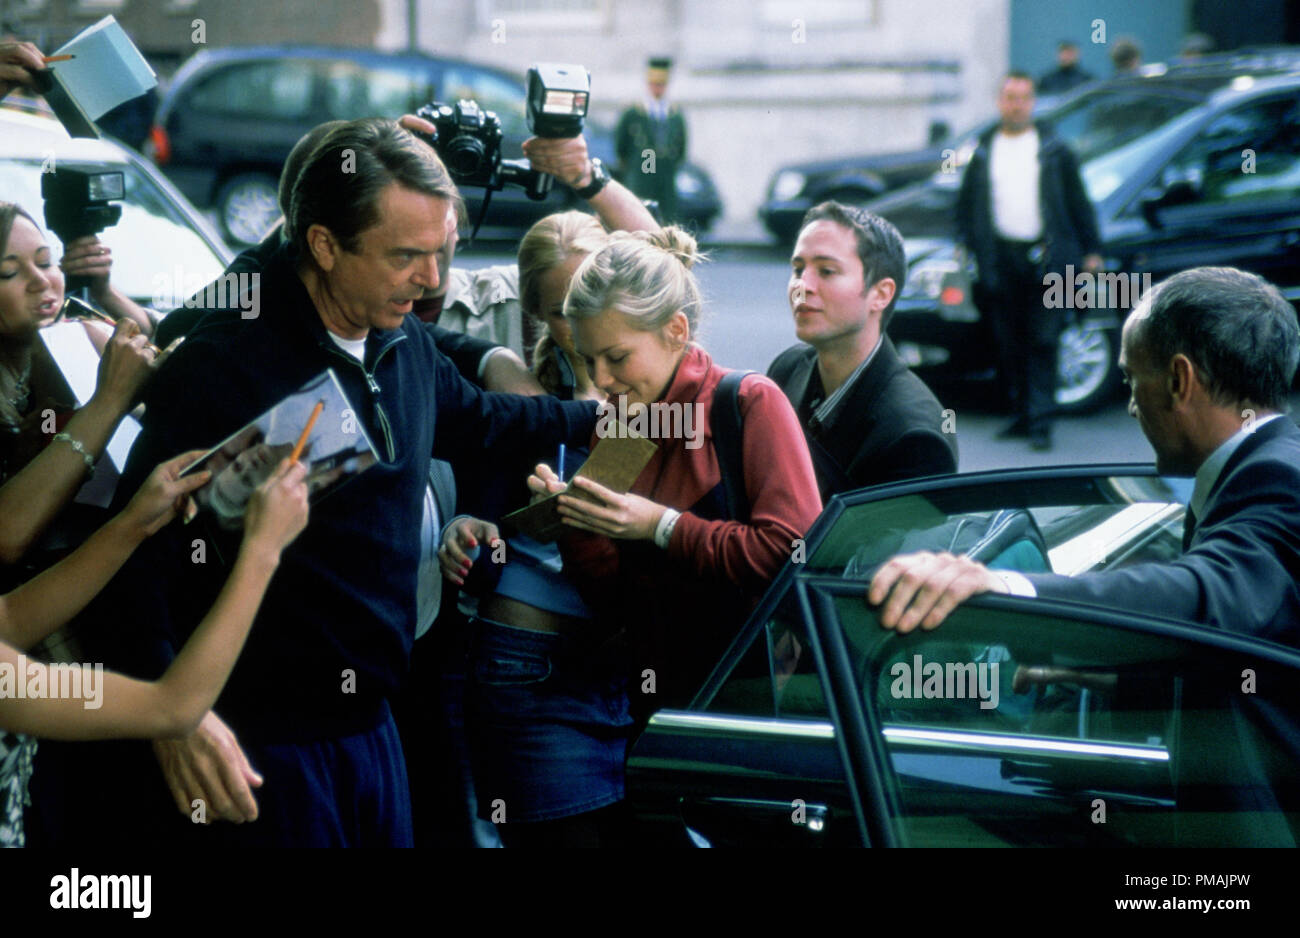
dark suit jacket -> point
(889, 427)
(1238, 754)
(1242, 570)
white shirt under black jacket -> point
(1013, 183)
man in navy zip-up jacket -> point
(308, 699)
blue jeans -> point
(548, 725)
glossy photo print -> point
(335, 447)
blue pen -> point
(560, 467)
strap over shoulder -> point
(727, 426)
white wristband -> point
(664, 529)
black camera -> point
(78, 201)
(468, 139)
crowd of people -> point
(404, 650)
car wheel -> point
(247, 206)
(1086, 368)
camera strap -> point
(482, 214)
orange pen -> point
(306, 431)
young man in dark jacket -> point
(867, 418)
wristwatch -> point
(599, 180)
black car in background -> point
(231, 116)
(852, 180)
(1199, 166)
(816, 728)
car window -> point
(777, 676)
(1062, 525)
(493, 92)
(1249, 154)
(352, 91)
(1008, 726)
(1099, 123)
(1068, 527)
(278, 89)
(1106, 171)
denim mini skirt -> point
(548, 724)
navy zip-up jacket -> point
(334, 634)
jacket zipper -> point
(373, 385)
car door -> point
(1023, 722)
(759, 758)
(1229, 197)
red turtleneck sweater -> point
(697, 592)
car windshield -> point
(1112, 133)
(154, 244)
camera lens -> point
(464, 155)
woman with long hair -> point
(47, 445)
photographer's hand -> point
(565, 159)
(91, 258)
(417, 125)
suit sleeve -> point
(1242, 574)
(783, 497)
(623, 142)
(965, 213)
